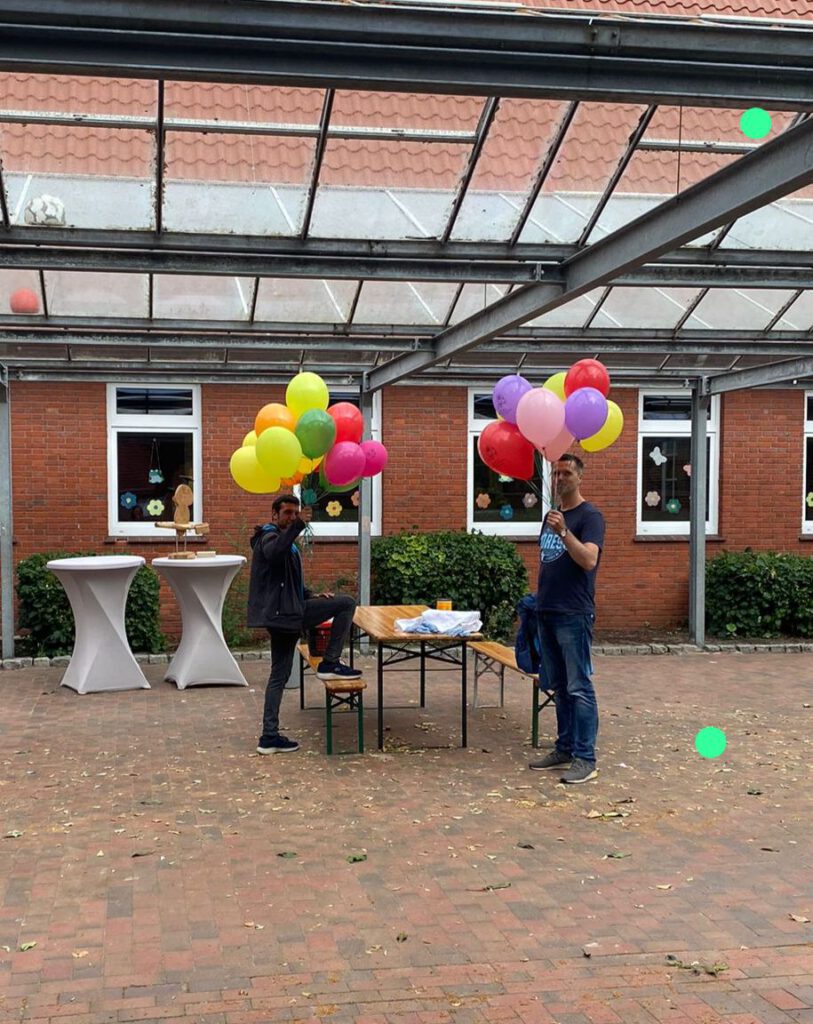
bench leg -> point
(535, 715)
(360, 704)
(329, 721)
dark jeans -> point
(283, 648)
(566, 669)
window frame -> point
(126, 423)
(523, 530)
(327, 529)
(678, 428)
(807, 434)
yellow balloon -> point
(609, 433)
(306, 391)
(307, 465)
(250, 438)
(556, 384)
(249, 474)
(278, 451)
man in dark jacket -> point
(279, 601)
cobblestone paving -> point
(155, 868)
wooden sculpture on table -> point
(182, 500)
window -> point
(153, 445)
(345, 524)
(497, 504)
(807, 495)
(664, 463)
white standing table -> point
(97, 590)
(200, 586)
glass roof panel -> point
(201, 298)
(785, 224)
(260, 104)
(474, 298)
(12, 281)
(799, 316)
(594, 143)
(571, 314)
(401, 302)
(305, 300)
(71, 293)
(100, 177)
(510, 158)
(255, 184)
(644, 307)
(737, 309)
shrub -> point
(474, 570)
(45, 612)
(759, 594)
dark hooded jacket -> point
(276, 590)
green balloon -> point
(332, 488)
(316, 432)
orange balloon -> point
(292, 481)
(274, 415)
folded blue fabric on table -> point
(448, 623)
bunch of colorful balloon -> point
(532, 422)
(306, 441)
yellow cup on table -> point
(443, 604)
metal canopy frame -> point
(484, 51)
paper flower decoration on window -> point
(652, 498)
(809, 500)
(673, 506)
(687, 469)
(334, 508)
(505, 479)
(506, 512)
(657, 456)
(355, 497)
(155, 507)
(309, 496)
(482, 500)
(529, 500)
(128, 500)
(156, 476)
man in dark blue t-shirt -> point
(570, 546)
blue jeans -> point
(566, 669)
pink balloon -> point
(344, 463)
(376, 455)
(540, 416)
(556, 448)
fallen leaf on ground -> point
(287, 854)
(79, 953)
(401, 937)
(356, 858)
(799, 919)
(25, 946)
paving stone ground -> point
(148, 868)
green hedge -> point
(759, 594)
(45, 612)
(477, 572)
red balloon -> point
(587, 373)
(505, 450)
(349, 422)
(24, 301)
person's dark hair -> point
(284, 499)
(570, 457)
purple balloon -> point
(345, 462)
(507, 393)
(376, 455)
(585, 412)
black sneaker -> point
(580, 771)
(276, 745)
(555, 759)
(336, 670)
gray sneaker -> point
(580, 771)
(555, 759)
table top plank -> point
(378, 622)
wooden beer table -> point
(394, 648)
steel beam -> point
(758, 376)
(365, 509)
(6, 521)
(487, 115)
(415, 49)
(777, 168)
(697, 516)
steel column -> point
(697, 517)
(6, 520)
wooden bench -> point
(347, 693)
(491, 658)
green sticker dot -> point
(710, 742)
(755, 123)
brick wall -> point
(59, 440)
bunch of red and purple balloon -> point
(306, 441)
(570, 406)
